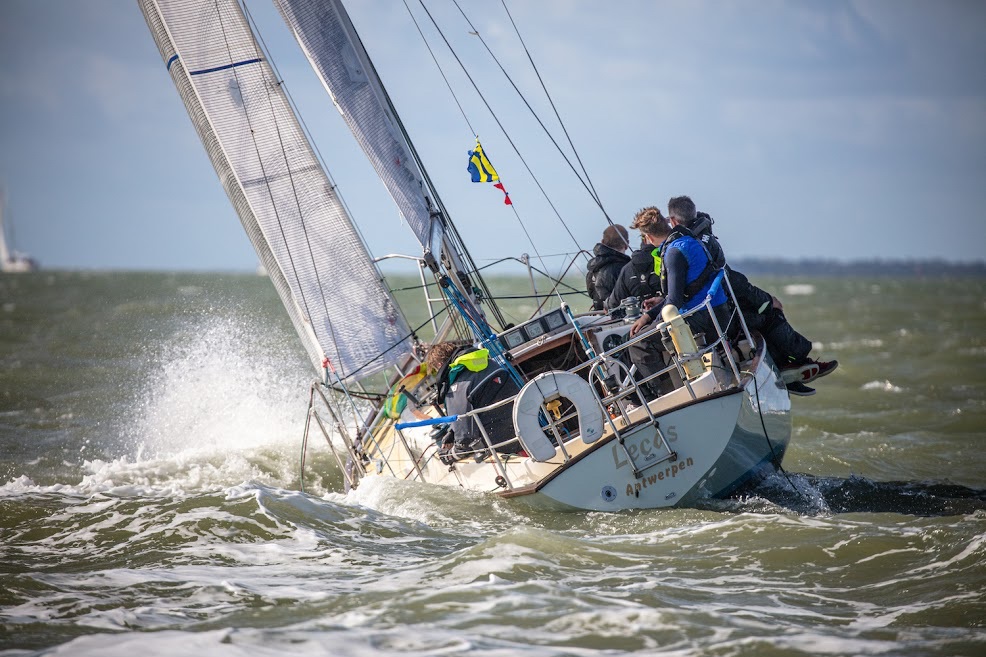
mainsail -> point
(326, 34)
(300, 229)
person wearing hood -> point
(761, 311)
(604, 268)
(641, 276)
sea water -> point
(150, 434)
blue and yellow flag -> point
(480, 167)
(482, 171)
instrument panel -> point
(533, 329)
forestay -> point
(326, 34)
(302, 233)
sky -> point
(841, 130)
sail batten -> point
(303, 235)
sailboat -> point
(575, 429)
(11, 260)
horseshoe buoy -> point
(543, 388)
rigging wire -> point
(439, 67)
(586, 182)
(556, 280)
(504, 131)
(558, 283)
(575, 152)
(451, 232)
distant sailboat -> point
(12, 261)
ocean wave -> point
(862, 343)
(799, 289)
(885, 386)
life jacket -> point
(656, 254)
(647, 271)
(701, 270)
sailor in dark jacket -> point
(762, 312)
(603, 270)
(639, 278)
(466, 379)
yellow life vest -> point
(657, 260)
(474, 361)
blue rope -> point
(425, 423)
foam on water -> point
(884, 386)
(799, 289)
(219, 401)
(220, 387)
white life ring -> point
(544, 386)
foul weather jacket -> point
(602, 273)
(636, 279)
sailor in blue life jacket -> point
(641, 278)
(687, 274)
(763, 312)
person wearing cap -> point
(609, 256)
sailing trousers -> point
(785, 345)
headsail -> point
(302, 233)
(327, 36)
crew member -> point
(762, 312)
(466, 380)
(687, 274)
(604, 268)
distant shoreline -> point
(822, 267)
(750, 266)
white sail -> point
(4, 251)
(302, 233)
(11, 261)
(327, 36)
